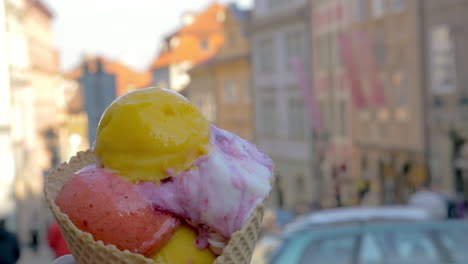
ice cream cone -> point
(86, 250)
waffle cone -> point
(86, 250)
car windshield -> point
(380, 244)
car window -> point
(456, 242)
(334, 250)
(371, 251)
(413, 247)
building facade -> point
(221, 86)
(369, 81)
(335, 148)
(445, 37)
(279, 32)
(197, 40)
(7, 201)
(381, 55)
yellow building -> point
(220, 86)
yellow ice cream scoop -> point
(181, 249)
(146, 133)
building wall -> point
(447, 103)
(280, 120)
(6, 151)
(234, 97)
(202, 92)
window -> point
(378, 7)
(174, 42)
(360, 10)
(273, 4)
(336, 250)
(266, 56)
(296, 119)
(371, 252)
(455, 241)
(414, 243)
(221, 16)
(343, 119)
(230, 92)
(380, 50)
(324, 52)
(268, 119)
(400, 82)
(294, 47)
(398, 5)
(323, 116)
(204, 45)
(335, 53)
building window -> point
(400, 82)
(343, 119)
(230, 92)
(268, 118)
(334, 51)
(378, 7)
(360, 10)
(324, 116)
(398, 5)
(294, 47)
(174, 42)
(296, 119)
(266, 58)
(324, 52)
(380, 50)
(273, 4)
(204, 45)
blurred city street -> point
(362, 106)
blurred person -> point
(429, 200)
(9, 247)
(56, 240)
(34, 231)
(269, 225)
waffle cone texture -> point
(86, 250)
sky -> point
(125, 30)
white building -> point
(6, 150)
(280, 32)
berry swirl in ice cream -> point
(167, 181)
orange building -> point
(220, 86)
(198, 40)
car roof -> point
(358, 215)
(382, 226)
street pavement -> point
(42, 256)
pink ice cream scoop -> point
(222, 189)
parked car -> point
(358, 215)
(426, 242)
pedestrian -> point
(9, 247)
(56, 240)
(34, 231)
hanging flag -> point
(345, 44)
(308, 94)
(370, 69)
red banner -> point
(370, 69)
(345, 44)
